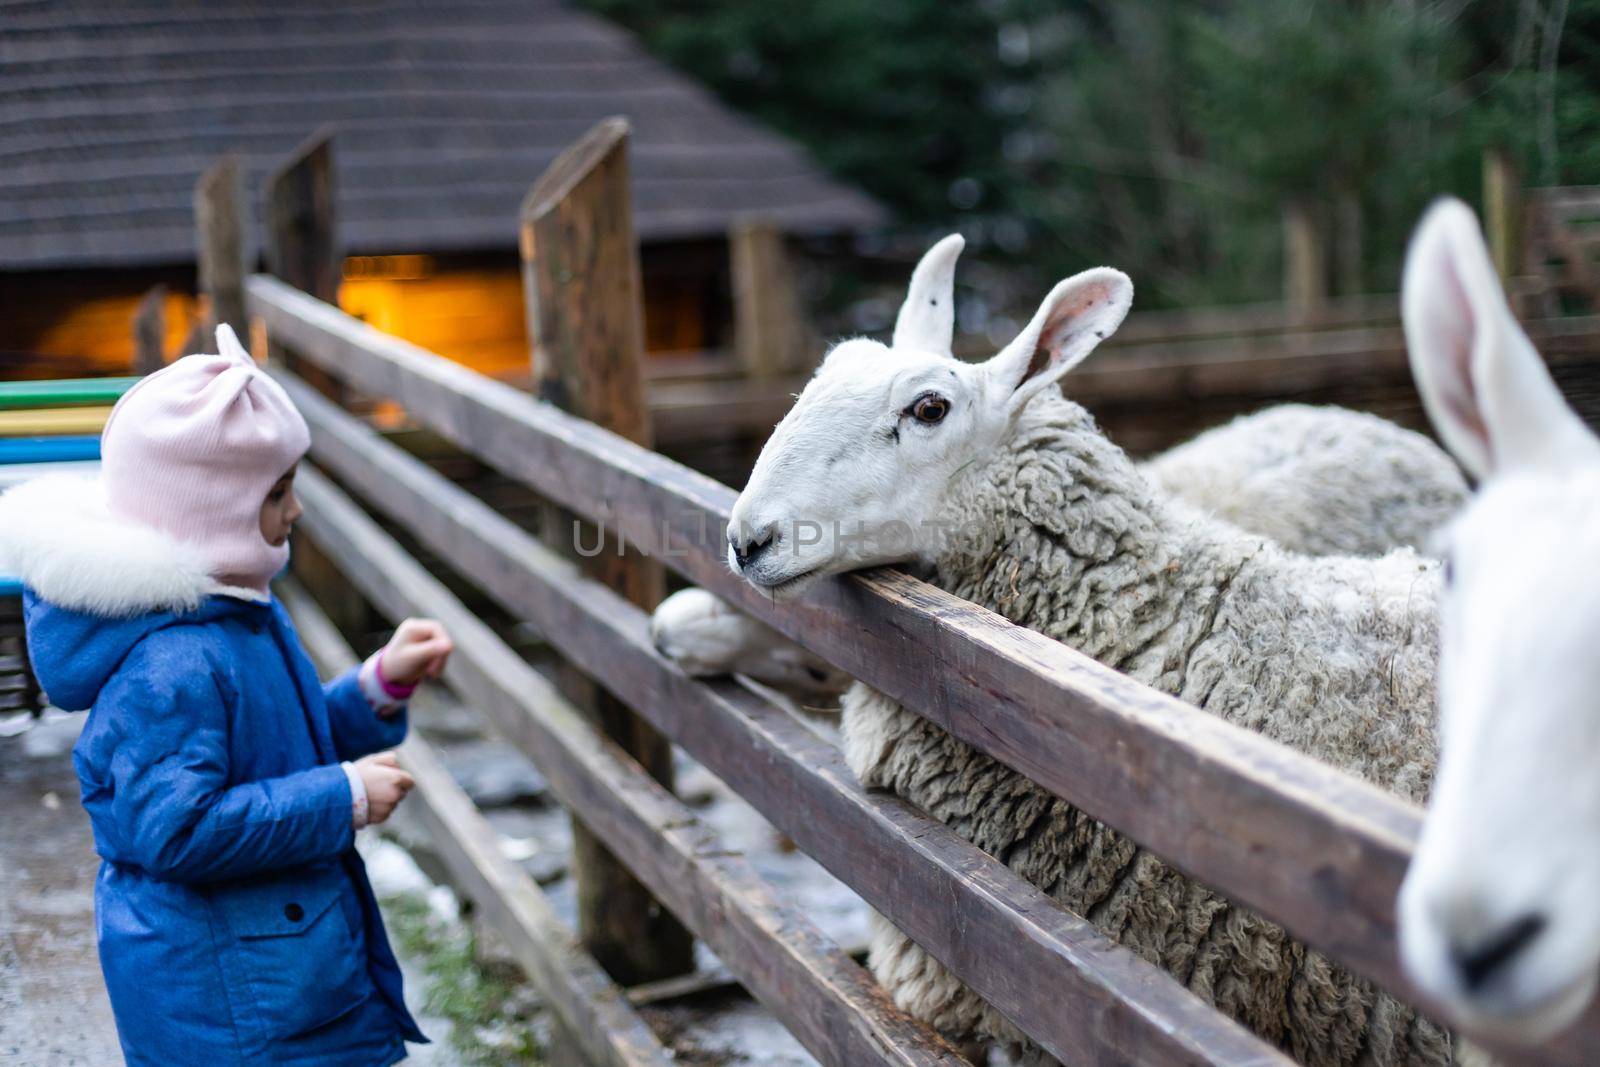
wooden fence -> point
(1155, 387)
(1310, 847)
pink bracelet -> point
(395, 691)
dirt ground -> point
(53, 1007)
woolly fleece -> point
(1320, 480)
(1332, 656)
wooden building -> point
(442, 114)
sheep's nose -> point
(749, 544)
(1488, 957)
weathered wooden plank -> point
(1150, 397)
(1239, 320)
(1313, 848)
(198, 340)
(1052, 973)
(690, 364)
(1305, 273)
(150, 331)
(825, 998)
(299, 225)
(1276, 366)
(219, 245)
(685, 412)
(300, 230)
(595, 1011)
(580, 268)
(581, 283)
(771, 339)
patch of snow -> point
(390, 868)
(53, 735)
(19, 723)
(443, 903)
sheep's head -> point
(856, 474)
(1500, 911)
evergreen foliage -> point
(1165, 136)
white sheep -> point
(1009, 496)
(1500, 911)
(1318, 480)
(1325, 481)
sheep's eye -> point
(929, 408)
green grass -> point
(482, 1004)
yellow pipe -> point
(44, 422)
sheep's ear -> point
(1078, 314)
(928, 317)
(1482, 382)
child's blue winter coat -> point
(235, 920)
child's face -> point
(280, 509)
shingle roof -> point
(445, 111)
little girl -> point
(224, 783)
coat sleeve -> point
(358, 727)
(173, 810)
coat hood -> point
(96, 585)
(74, 653)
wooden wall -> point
(471, 311)
(71, 324)
(62, 325)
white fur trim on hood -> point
(58, 536)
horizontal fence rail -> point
(826, 999)
(594, 1011)
(1309, 846)
(1276, 366)
(1056, 977)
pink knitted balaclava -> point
(193, 449)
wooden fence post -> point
(219, 248)
(1305, 282)
(150, 331)
(298, 220)
(1349, 244)
(769, 327)
(580, 268)
(1502, 212)
(301, 246)
(300, 234)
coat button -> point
(293, 912)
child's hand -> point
(419, 649)
(387, 785)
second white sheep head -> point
(1500, 911)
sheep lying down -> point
(1061, 532)
(1324, 481)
